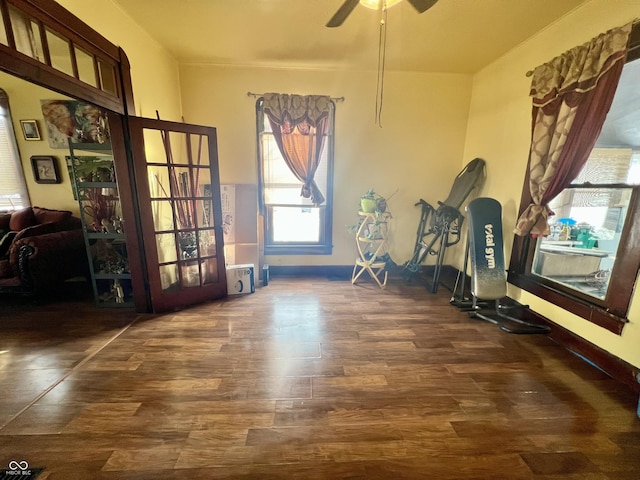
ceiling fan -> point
(347, 7)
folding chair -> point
(439, 228)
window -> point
(292, 224)
(589, 263)
(13, 191)
(585, 235)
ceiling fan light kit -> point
(348, 6)
(345, 10)
(378, 4)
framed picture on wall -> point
(45, 169)
(30, 129)
(74, 121)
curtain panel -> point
(300, 125)
(571, 95)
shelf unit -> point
(96, 191)
(371, 242)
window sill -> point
(593, 313)
(298, 249)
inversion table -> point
(440, 227)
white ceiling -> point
(455, 36)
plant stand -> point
(371, 243)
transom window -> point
(60, 52)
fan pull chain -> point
(382, 52)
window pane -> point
(107, 77)
(585, 234)
(59, 53)
(280, 184)
(3, 32)
(26, 34)
(162, 214)
(285, 195)
(169, 277)
(200, 149)
(296, 224)
(86, 69)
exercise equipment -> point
(488, 278)
(439, 228)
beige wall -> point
(154, 72)
(499, 131)
(420, 143)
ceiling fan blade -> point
(422, 5)
(342, 13)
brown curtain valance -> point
(282, 108)
(300, 125)
(579, 69)
(571, 97)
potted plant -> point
(372, 202)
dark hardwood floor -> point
(306, 378)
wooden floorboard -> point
(306, 378)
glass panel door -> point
(178, 185)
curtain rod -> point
(257, 95)
(635, 22)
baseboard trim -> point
(344, 272)
(613, 366)
(332, 272)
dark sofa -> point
(40, 249)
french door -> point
(177, 186)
